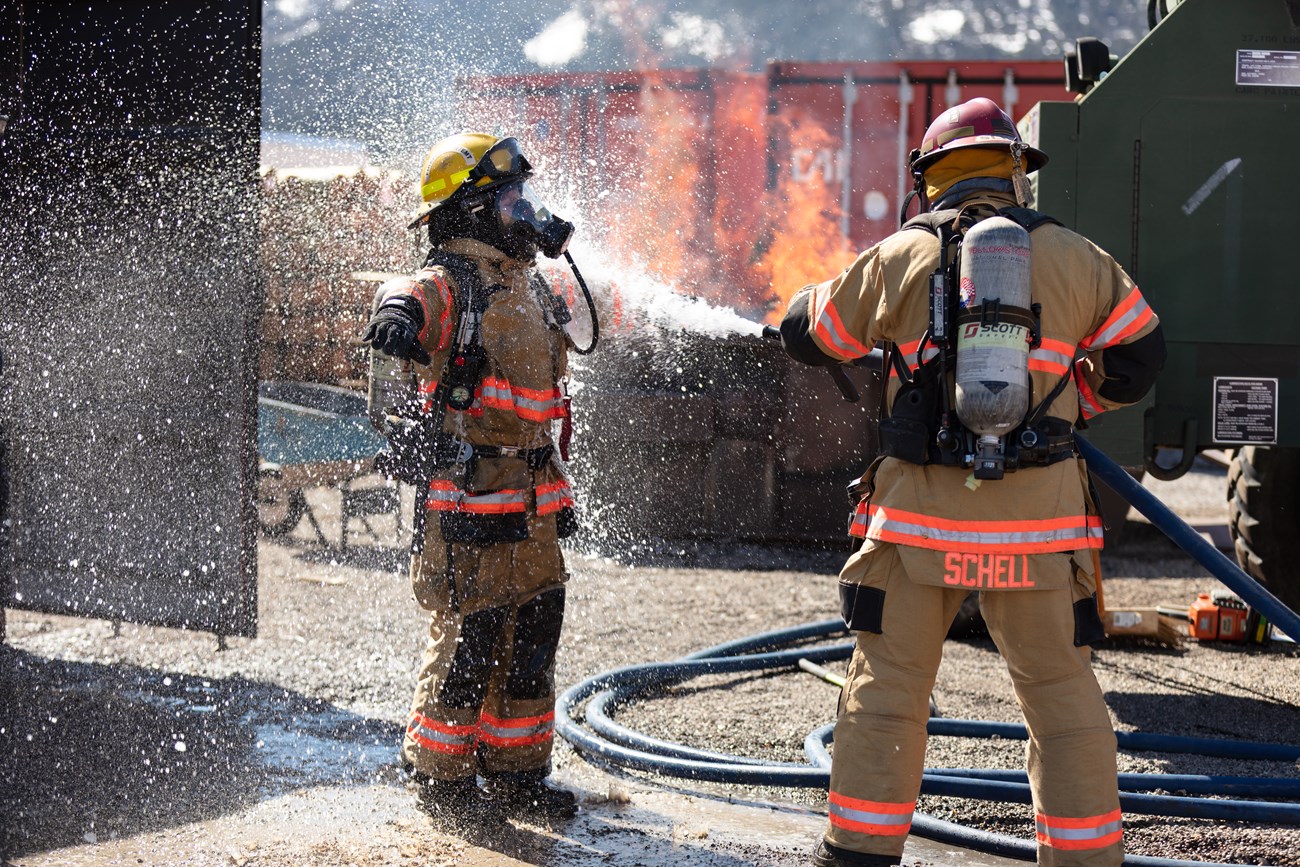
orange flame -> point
(807, 244)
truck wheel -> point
(1264, 517)
(278, 510)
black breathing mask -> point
(528, 226)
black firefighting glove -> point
(395, 329)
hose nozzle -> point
(771, 332)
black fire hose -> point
(874, 361)
(1251, 591)
(604, 740)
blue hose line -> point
(1137, 741)
(662, 757)
(1255, 787)
(931, 828)
(1132, 803)
(1013, 787)
(598, 719)
(1251, 591)
(777, 638)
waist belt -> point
(1044, 444)
(535, 458)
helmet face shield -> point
(529, 224)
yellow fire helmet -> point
(469, 160)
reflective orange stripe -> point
(1125, 320)
(1041, 536)
(858, 526)
(517, 732)
(908, 351)
(530, 404)
(553, 497)
(1088, 403)
(830, 328)
(1052, 356)
(445, 496)
(1090, 832)
(442, 737)
(870, 817)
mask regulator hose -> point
(591, 306)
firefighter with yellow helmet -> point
(1002, 330)
(468, 366)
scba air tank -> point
(993, 333)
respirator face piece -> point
(528, 226)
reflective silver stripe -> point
(555, 496)
(442, 495)
(442, 737)
(503, 394)
(1111, 331)
(471, 500)
(1053, 833)
(532, 405)
(516, 731)
(910, 358)
(826, 327)
(880, 522)
(540, 406)
(1052, 357)
(900, 820)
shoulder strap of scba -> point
(950, 226)
(465, 364)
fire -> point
(653, 222)
(807, 244)
(699, 216)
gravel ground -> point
(144, 745)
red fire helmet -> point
(976, 123)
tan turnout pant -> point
(485, 700)
(880, 734)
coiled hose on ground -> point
(608, 741)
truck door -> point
(128, 272)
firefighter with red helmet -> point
(952, 506)
(468, 366)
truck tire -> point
(1264, 517)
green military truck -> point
(1180, 160)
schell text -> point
(987, 571)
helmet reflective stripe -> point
(439, 184)
(948, 136)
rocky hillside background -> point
(380, 70)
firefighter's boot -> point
(826, 855)
(451, 803)
(529, 795)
